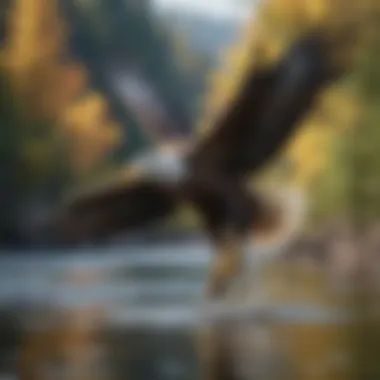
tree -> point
(42, 148)
(95, 53)
(50, 84)
(10, 164)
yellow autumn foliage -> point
(310, 146)
(85, 113)
(56, 90)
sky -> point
(239, 9)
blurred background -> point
(85, 85)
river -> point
(153, 297)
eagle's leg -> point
(215, 351)
(227, 212)
(226, 266)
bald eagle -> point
(211, 174)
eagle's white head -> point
(167, 162)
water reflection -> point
(137, 308)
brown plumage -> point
(253, 130)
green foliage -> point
(10, 123)
(365, 140)
(29, 162)
(350, 185)
(4, 8)
(330, 195)
(10, 173)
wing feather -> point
(267, 111)
(120, 207)
(231, 130)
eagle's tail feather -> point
(280, 219)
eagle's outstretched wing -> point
(103, 213)
(147, 192)
(254, 129)
(267, 111)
